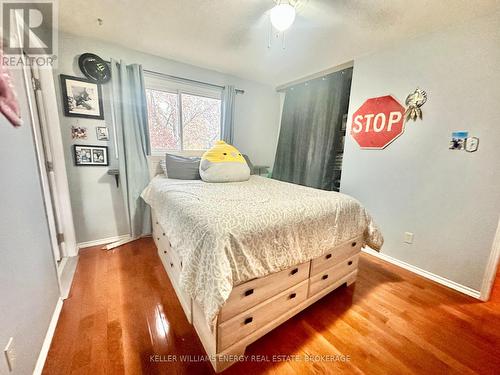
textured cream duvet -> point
(229, 233)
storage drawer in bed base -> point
(173, 275)
(307, 283)
(223, 358)
(173, 265)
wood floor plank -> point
(122, 317)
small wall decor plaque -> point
(415, 101)
(102, 133)
(78, 132)
(90, 155)
(457, 141)
(471, 144)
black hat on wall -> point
(94, 68)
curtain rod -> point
(323, 73)
(176, 78)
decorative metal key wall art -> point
(414, 101)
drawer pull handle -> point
(353, 244)
(248, 320)
(169, 244)
(163, 234)
(324, 277)
(156, 222)
(293, 295)
(328, 256)
(158, 238)
(294, 271)
(181, 263)
(171, 264)
(349, 263)
(248, 292)
(164, 251)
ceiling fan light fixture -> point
(282, 16)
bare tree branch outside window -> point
(201, 121)
(163, 118)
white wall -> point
(449, 199)
(97, 204)
(29, 290)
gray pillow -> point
(250, 165)
(182, 168)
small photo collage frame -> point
(87, 155)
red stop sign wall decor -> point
(378, 122)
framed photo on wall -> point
(81, 98)
(102, 133)
(78, 132)
(90, 155)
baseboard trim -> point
(428, 275)
(48, 338)
(491, 268)
(102, 241)
(67, 275)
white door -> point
(46, 148)
(42, 149)
(44, 115)
(52, 149)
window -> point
(163, 118)
(200, 122)
(182, 117)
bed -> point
(244, 257)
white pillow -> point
(163, 165)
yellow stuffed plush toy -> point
(223, 163)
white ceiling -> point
(230, 36)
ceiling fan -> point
(282, 14)
(281, 17)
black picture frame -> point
(80, 112)
(90, 162)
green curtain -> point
(310, 130)
(131, 121)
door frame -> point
(491, 267)
(44, 114)
(51, 126)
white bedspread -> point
(229, 233)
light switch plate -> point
(10, 354)
(408, 237)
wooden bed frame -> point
(257, 306)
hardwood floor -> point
(122, 311)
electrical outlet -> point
(10, 354)
(408, 237)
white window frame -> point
(154, 82)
